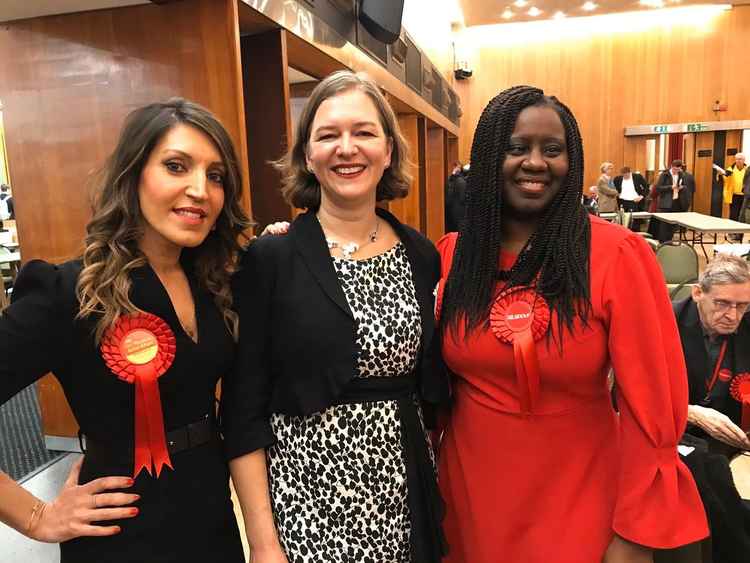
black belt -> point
(178, 440)
(428, 544)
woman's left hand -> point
(621, 550)
(278, 228)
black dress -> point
(186, 514)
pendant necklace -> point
(348, 249)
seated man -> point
(716, 342)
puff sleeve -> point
(657, 502)
(33, 328)
(246, 390)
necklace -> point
(348, 249)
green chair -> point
(679, 264)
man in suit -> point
(632, 188)
(686, 195)
(715, 339)
(668, 187)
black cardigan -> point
(297, 350)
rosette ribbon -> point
(740, 390)
(138, 349)
(520, 317)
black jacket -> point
(639, 182)
(297, 350)
(699, 370)
(664, 189)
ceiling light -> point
(507, 14)
(652, 3)
(558, 15)
(590, 6)
(534, 11)
(520, 3)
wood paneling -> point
(703, 173)
(266, 86)
(408, 209)
(613, 79)
(68, 81)
(435, 177)
(635, 154)
(71, 80)
(734, 140)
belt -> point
(426, 508)
(178, 440)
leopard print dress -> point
(338, 477)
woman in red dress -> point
(538, 301)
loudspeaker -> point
(382, 18)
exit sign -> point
(661, 128)
(696, 127)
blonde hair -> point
(300, 187)
(111, 248)
(604, 167)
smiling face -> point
(348, 149)
(536, 162)
(181, 192)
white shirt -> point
(627, 191)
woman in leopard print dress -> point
(336, 359)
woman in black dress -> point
(149, 298)
(323, 412)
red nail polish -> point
(133, 511)
(130, 482)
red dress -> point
(555, 485)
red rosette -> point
(740, 391)
(520, 317)
(138, 349)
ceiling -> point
(487, 12)
(475, 12)
(21, 9)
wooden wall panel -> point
(435, 178)
(703, 174)
(269, 129)
(613, 79)
(408, 209)
(71, 80)
(68, 81)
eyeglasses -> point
(722, 306)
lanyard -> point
(717, 368)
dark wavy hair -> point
(111, 248)
(555, 259)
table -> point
(634, 215)
(10, 245)
(733, 249)
(12, 258)
(699, 225)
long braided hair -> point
(556, 257)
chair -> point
(6, 271)
(626, 218)
(678, 261)
(680, 291)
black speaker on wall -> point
(382, 18)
